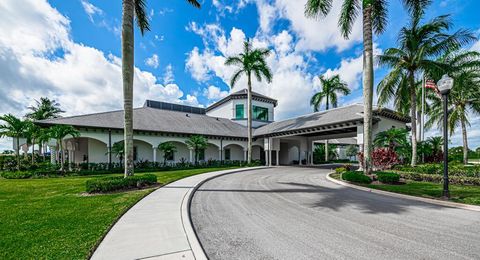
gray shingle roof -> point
(157, 120)
(241, 94)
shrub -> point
(384, 158)
(109, 184)
(388, 177)
(16, 174)
(356, 177)
(340, 170)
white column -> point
(266, 157)
(191, 155)
(245, 154)
(154, 153)
(278, 157)
(53, 155)
(299, 157)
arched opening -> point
(293, 155)
(85, 150)
(258, 153)
(233, 152)
(210, 153)
(181, 153)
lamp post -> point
(445, 84)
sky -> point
(70, 51)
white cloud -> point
(214, 93)
(152, 61)
(91, 10)
(78, 79)
(168, 76)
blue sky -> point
(70, 51)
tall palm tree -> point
(132, 9)
(330, 87)
(44, 109)
(464, 98)
(374, 13)
(33, 134)
(419, 46)
(197, 143)
(16, 128)
(59, 132)
(250, 62)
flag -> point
(431, 84)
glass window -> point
(227, 154)
(239, 111)
(260, 113)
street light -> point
(445, 84)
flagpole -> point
(423, 110)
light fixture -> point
(445, 84)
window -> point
(239, 111)
(134, 153)
(260, 113)
(227, 154)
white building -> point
(224, 125)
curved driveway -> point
(295, 213)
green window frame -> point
(260, 113)
(239, 111)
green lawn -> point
(458, 193)
(49, 218)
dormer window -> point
(239, 111)
(260, 113)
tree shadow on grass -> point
(338, 198)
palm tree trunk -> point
(326, 141)
(17, 151)
(465, 141)
(249, 118)
(62, 162)
(367, 86)
(413, 112)
(127, 74)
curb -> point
(195, 244)
(404, 196)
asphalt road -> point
(296, 213)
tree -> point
(197, 143)
(418, 47)
(33, 133)
(118, 150)
(374, 19)
(392, 138)
(330, 87)
(251, 61)
(44, 109)
(168, 148)
(351, 150)
(464, 98)
(131, 9)
(16, 128)
(59, 132)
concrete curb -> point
(195, 244)
(409, 197)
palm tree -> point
(33, 133)
(436, 144)
(251, 61)
(464, 98)
(16, 128)
(330, 87)
(419, 45)
(392, 138)
(132, 9)
(44, 109)
(118, 150)
(59, 132)
(197, 143)
(168, 148)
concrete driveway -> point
(296, 213)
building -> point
(224, 124)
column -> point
(245, 154)
(278, 157)
(191, 155)
(266, 157)
(154, 153)
(53, 155)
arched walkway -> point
(233, 152)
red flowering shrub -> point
(384, 158)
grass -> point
(458, 193)
(50, 219)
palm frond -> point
(141, 16)
(317, 8)
(348, 15)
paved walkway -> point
(296, 213)
(158, 227)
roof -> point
(339, 115)
(157, 120)
(242, 94)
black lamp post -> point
(445, 84)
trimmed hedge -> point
(109, 184)
(435, 178)
(388, 177)
(340, 170)
(437, 168)
(356, 177)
